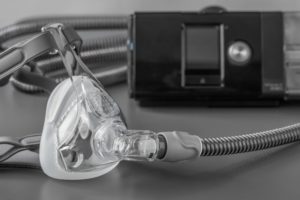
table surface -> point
(270, 174)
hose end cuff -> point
(181, 146)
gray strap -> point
(28, 143)
(17, 56)
(32, 78)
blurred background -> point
(13, 10)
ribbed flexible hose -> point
(34, 25)
(108, 53)
(108, 77)
(250, 142)
(107, 59)
(95, 53)
(83, 22)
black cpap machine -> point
(213, 57)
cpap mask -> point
(85, 135)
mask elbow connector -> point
(145, 145)
(137, 145)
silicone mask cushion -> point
(76, 111)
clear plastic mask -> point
(77, 110)
(84, 135)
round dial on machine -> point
(239, 53)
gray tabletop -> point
(270, 174)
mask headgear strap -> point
(55, 38)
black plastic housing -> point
(158, 52)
